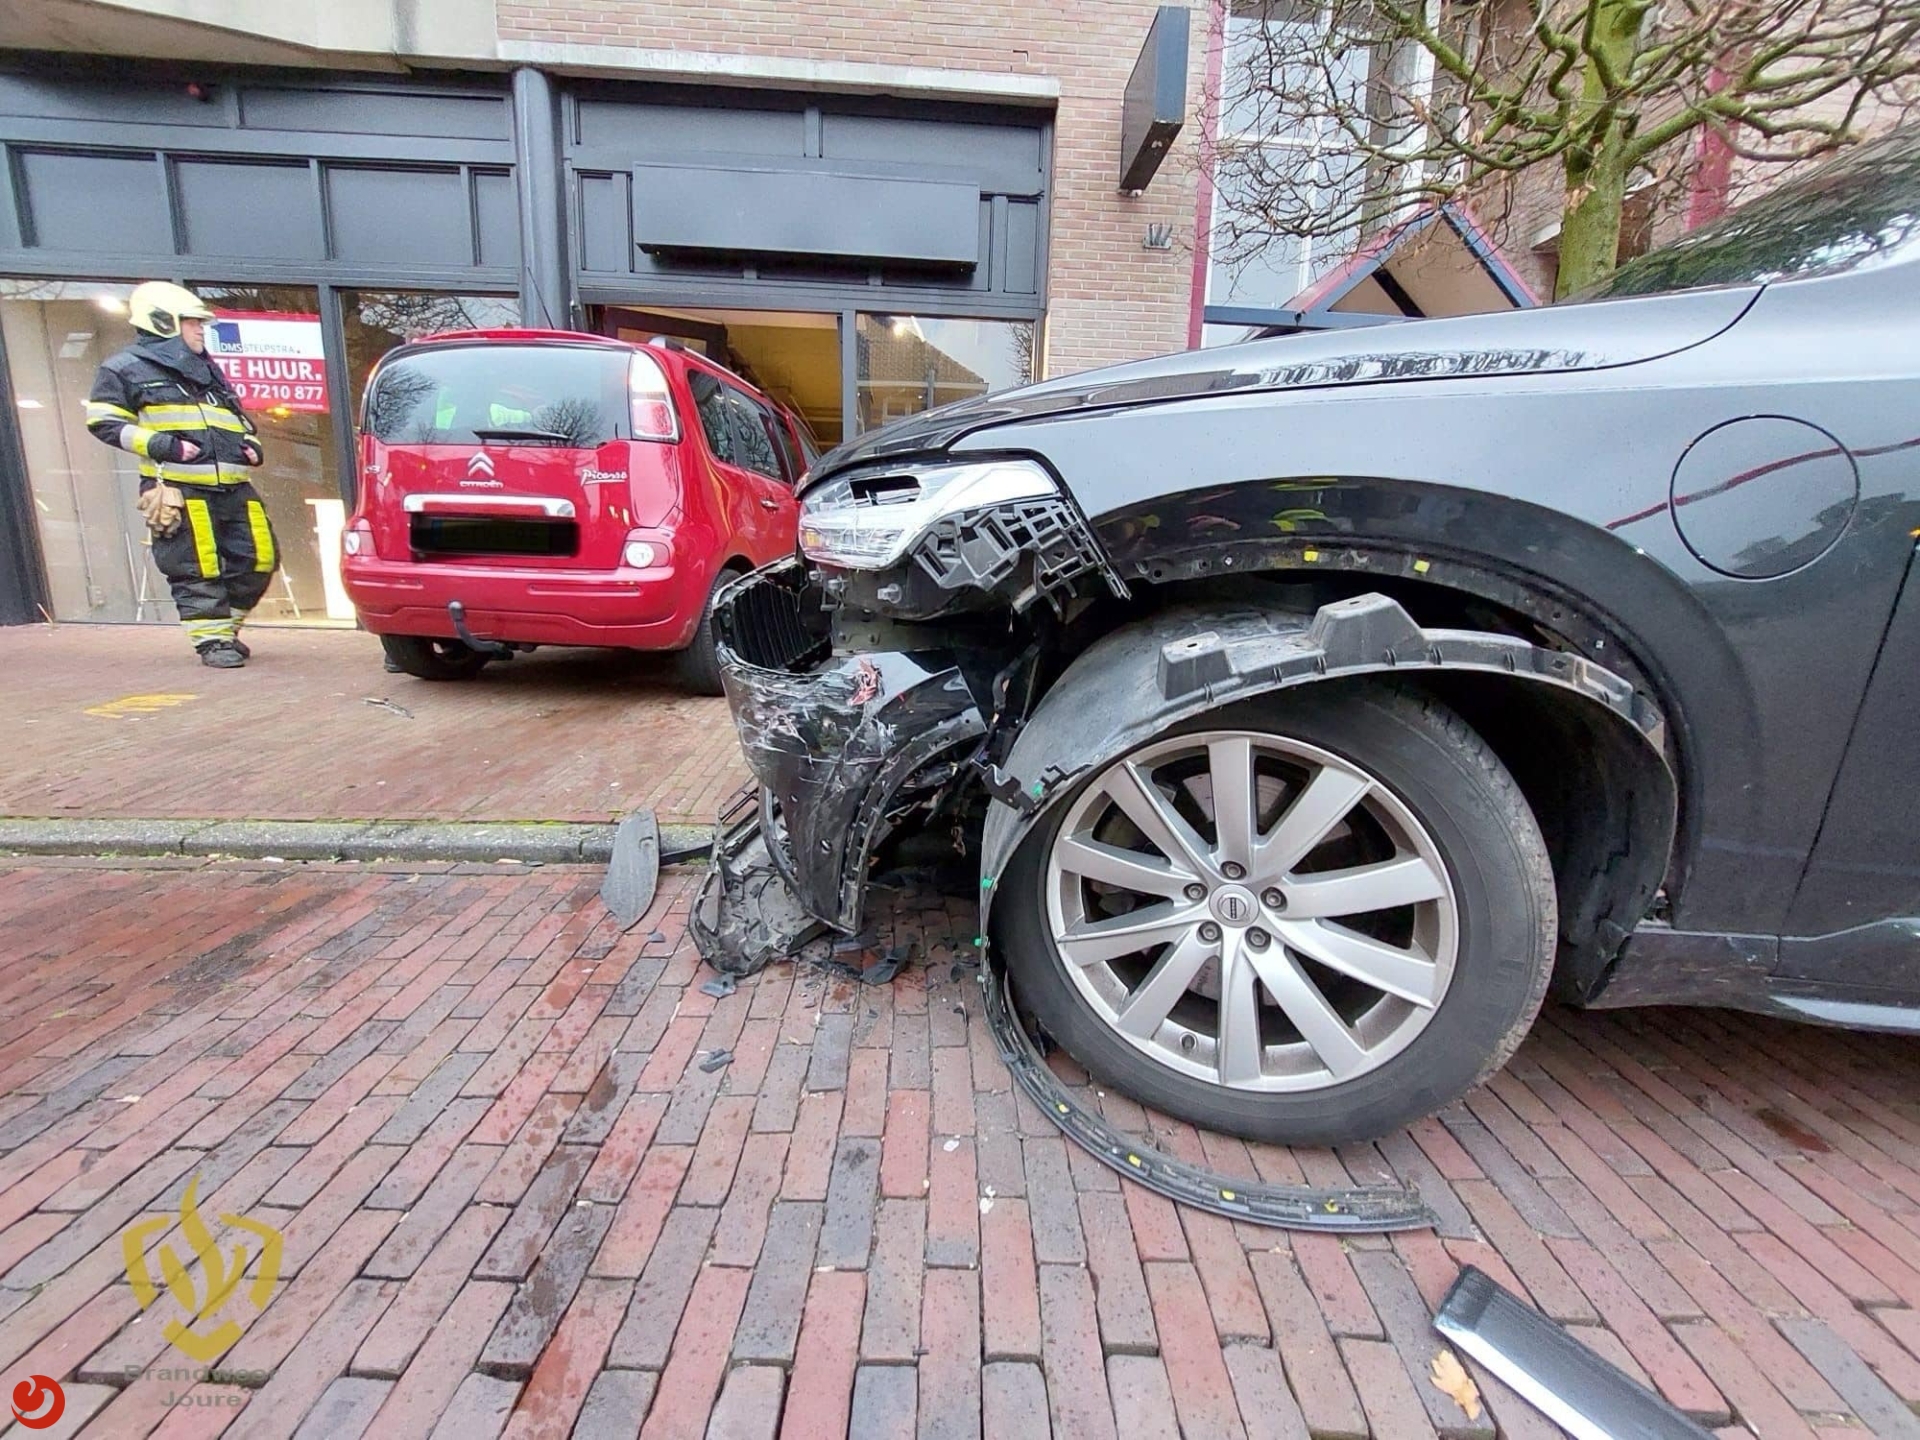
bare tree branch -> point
(1343, 116)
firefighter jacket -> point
(157, 393)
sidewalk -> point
(107, 722)
(533, 1181)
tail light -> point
(649, 399)
(358, 538)
(647, 550)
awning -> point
(1439, 262)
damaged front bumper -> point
(838, 743)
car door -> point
(1865, 867)
(766, 473)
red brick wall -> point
(1108, 298)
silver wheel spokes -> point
(1324, 936)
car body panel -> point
(1515, 343)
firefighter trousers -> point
(219, 561)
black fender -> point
(1139, 679)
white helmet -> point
(159, 306)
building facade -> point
(869, 209)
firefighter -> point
(164, 400)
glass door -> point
(95, 546)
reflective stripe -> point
(103, 410)
(205, 632)
(201, 522)
(200, 472)
(170, 412)
(212, 420)
(133, 438)
(210, 475)
(263, 556)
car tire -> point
(700, 661)
(428, 657)
(1435, 803)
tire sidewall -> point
(417, 656)
(1503, 889)
(700, 661)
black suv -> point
(1317, 704)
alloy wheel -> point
(1252, 911)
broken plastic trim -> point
(978, 551)
(1293, 1207)
(746, 915)
(1569, 1384)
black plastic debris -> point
(746, 915)
(882, 971)
(716, 1060)
(720, 987)
(633, 871)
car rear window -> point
(573, 396)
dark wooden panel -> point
(268, 211)
(806, 213)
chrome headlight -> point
(869, 522)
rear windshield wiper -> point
(511, 434)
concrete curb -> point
(528, 842)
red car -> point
(531, 487)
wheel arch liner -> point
(1294, 1207)
(1138, 680)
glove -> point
(161, 507)
(251, 452)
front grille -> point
(767, 623)
(494, 535)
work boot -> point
(246, 650)
(222, 655)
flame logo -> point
(34, 1392)
(222, 1277)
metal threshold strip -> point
(1573, 1387)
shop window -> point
(377, 321)
(95, 547)
(908, 364)
(268, 340)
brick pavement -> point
(523, 1192)
(581, 735)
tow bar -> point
(457, 613)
